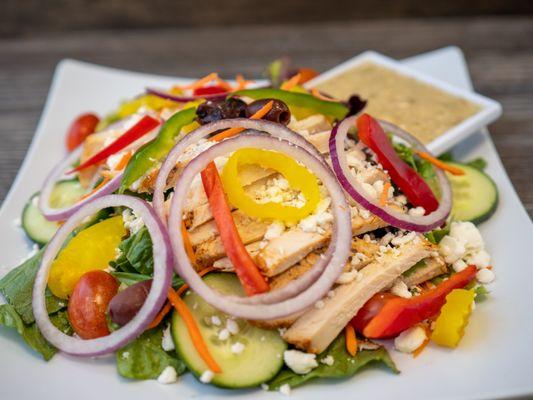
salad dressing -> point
(422, 110)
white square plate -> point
(494, 360)
(489, 110)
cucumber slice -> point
(35, 225)
(262, 357)
(475, 196)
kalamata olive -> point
(127, 303)
(279, 113)
(209, 111)
(214, 110)
(233, 108)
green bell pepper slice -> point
(155, 151)
(302, 100)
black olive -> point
(126, 304)
(214, 110)
(279, 113)
(209, 111)
(233, 108)
(355, 105)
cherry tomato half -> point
(371, 308)
(88, 304)
(80, 128)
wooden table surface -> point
(499, 51)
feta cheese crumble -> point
(300, 362)
(410, 339)
(131, 221)
(274, 230)
(168, 375)
(167, 343)
(464, 246)
(223, 334)
(237, 348)
(328, 360)
(232, 326)
(485, 276)
(400, 289)
(207, 376)
(285, 389)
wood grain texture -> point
(499, 52)
(33, 17)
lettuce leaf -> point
(30, 332)
(136, 254)
(144, 358)
(17, 288)
(344, 366)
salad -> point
(252, 236)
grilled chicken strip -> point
(318, 327)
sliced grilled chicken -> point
(318, 327)
(293, 245)
(433, 267)
(206, 240)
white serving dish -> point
(494, 360)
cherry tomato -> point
(371, 308)
(214, 89)
(88, 304)
(80, 128)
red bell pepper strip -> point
(407, 179)
(252, 280)
(206, 90)
(386, 315)
(141, 128)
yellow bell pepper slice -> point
(149, 100)
(451, 323)
(297, 175)
(91, 249)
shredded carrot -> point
(187, 243)
(429, 285)
(97, 188)
(167, 307)
(201, 82)
(193, 330)
(306, 74)
(315, 92)
(223, 84)
(421, 348)
(384, 194)
(440, 164)
(108, 174)
(241, 82)
(123, 161)
(234, 131)
(288, 85)
(351, 340)
(160, 315)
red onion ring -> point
(59, 214)
(163, 260)
(184, 99)
(337, 252)
(274, 129)
(356, 191)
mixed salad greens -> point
(252, 236)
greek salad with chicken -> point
(253, 236)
